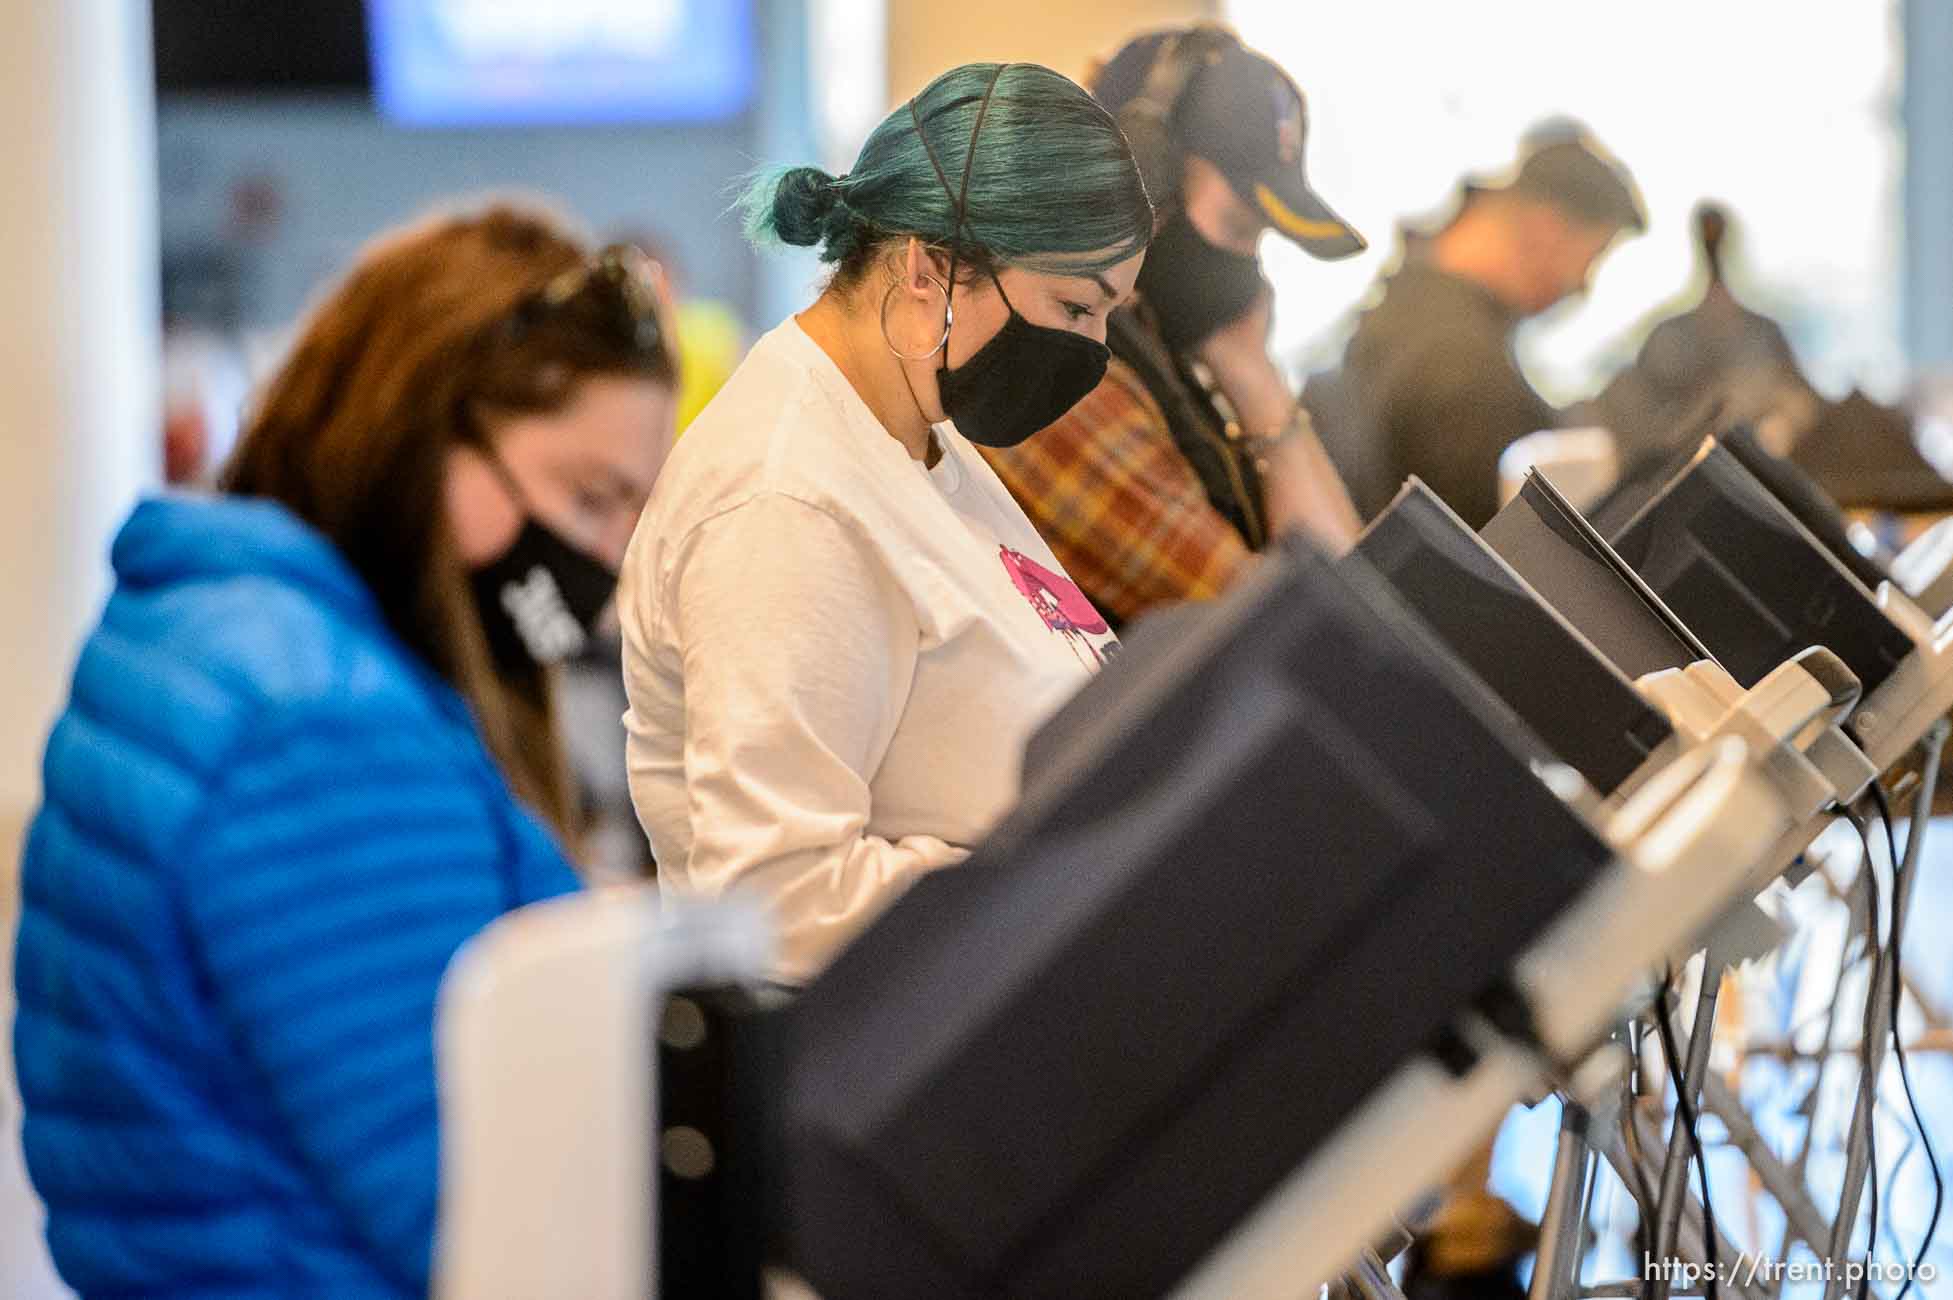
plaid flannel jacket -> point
(1119, 504)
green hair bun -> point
(803, 208)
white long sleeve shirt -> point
(834, 656)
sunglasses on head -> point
(621, 290)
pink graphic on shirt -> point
(1058, 601)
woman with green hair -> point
(839, 628)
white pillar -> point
(1927, 111)
(79, 411)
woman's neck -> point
(852, 339)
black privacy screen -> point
(1545, 540)
(1737, 567)
(1528, 653)
(1269, 854)
(1805, 500)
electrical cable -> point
(1869, 1082)
(1867, 1078)
(1922, 812)
(1685, 1111)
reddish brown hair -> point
(394, 369)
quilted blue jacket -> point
(267, 827)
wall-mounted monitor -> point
(491, 63)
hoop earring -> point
(949, 318)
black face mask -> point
(1193, 287)
(1021, 381)
(539, 599)
(1027, 375)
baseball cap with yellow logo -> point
(1241, 112)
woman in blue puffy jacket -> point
(310, 751)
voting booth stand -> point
(1760, 566)
(1306, 890)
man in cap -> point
(1430, 384)
(1162, 483)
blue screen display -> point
(524, 62)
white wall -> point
(78, 368)
(928, 37)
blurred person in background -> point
(1717, 349)
(1719, 366)
(1430, 383)
(839, 628)
(1153, 489)
(310, 751)
(707, 336)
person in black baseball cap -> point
(1237, 111)
(1429, 383)
(1162, 484)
